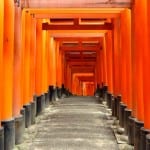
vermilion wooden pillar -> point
(101, 66)
(44, 61)
(32, 56)
(139, 45)
(1, 50)
(17, 100)
(125, 66)
(8, 58)
(104, 63)
(109, 57)
(63, 68)
(52, 66)
(137, 53)
(26, 59)
(69, 79)
(98, 69)
(52, 63)
(125, 58)
(58, 69)
(147, 81)
(26, 65)
(1, 71)
(74, 80)
(17, 77)
(38, 76)
(116, 48)
(146, 68)
(38, 66)
(32, 96)
(8, 61)
(67, 76)
(97, 75)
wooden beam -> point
(48, 15)
(86, 78)
(69, 39)
(84, 60)
(106, 26)
(80, 48)
(80, 63)
(82, 69)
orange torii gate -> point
(77, 79)
(33, 64)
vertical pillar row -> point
(8, 61)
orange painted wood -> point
(79, 48)
(143, 8)
(26, 58)
(32, 56)
(1, 51)
(63, 68)
(101, 67)
(106, 26)
(137, 52)
(82, 63)
(52, 62)
(116, 55)
(97, 69)
(38, 71)
(44, 61)
(125, 58)
(8, 57)
(69, 77)
(69, 39)
(109, 59)
(17, 76)
(82, 69)
(47, 61)
(147, 71)
(59, 66)
(104, 59)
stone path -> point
(74, 123)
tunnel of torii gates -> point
(45, 53)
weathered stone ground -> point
(74, 123)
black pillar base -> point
(118, 101)
(137, 134)
(53, 93)
(1, 138)
(24, 116)
(35, 100)
(131, 131)
(144, 132)
(27, 115)
(105, 89)
(113, 106)
(9, 134)
(33, 112)
(59, 92)
(39, 106)
(64, 91)
(46, 99)
(116, 107)
(19, 129)
(127, 114)
(109, 100)
(122, 107)
(50, 92)
(148, 142)
(43, 102)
